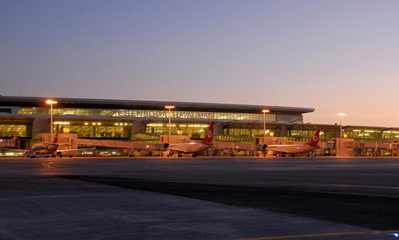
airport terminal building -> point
(147, 121)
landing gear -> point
(195, 155)
(311, 154)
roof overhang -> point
(148, 105)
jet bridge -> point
(71, 141)
(113, 144)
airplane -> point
(38, 150)
(44, 149)
(296, 148)
(47, 150)
(192, 148)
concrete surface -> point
(75, 198)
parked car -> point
(105, 154)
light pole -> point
(340, 129)
(264, 124)
(51, 102)
(340, 124)
(169, 107)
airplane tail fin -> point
(56, 135)
(209, 134)
(315, 138)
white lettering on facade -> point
(187, 115)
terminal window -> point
(5, 110)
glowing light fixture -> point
(264, 124)
(62, 123)
(51, 102)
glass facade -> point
(162, 114)
(361, 134)
(251, 130)
(96, 129)
(15, 128)
(390, 134)
(194, 130)
(302, 132)
(235, 131)
(235, 139)
(146, 138)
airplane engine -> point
(264, 147)
(261, 147)
(163, 145)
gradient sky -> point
(331, 55)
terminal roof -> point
(147, 105)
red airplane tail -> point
(209, 134)
(315, 138)
(56, 135)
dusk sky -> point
(331, 55)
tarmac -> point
(202, 198)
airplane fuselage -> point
(292, 149)
(194, 147)
(49, 148)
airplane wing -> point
(76, 149)
(276, 151)
(14, 149)
(159, 147)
